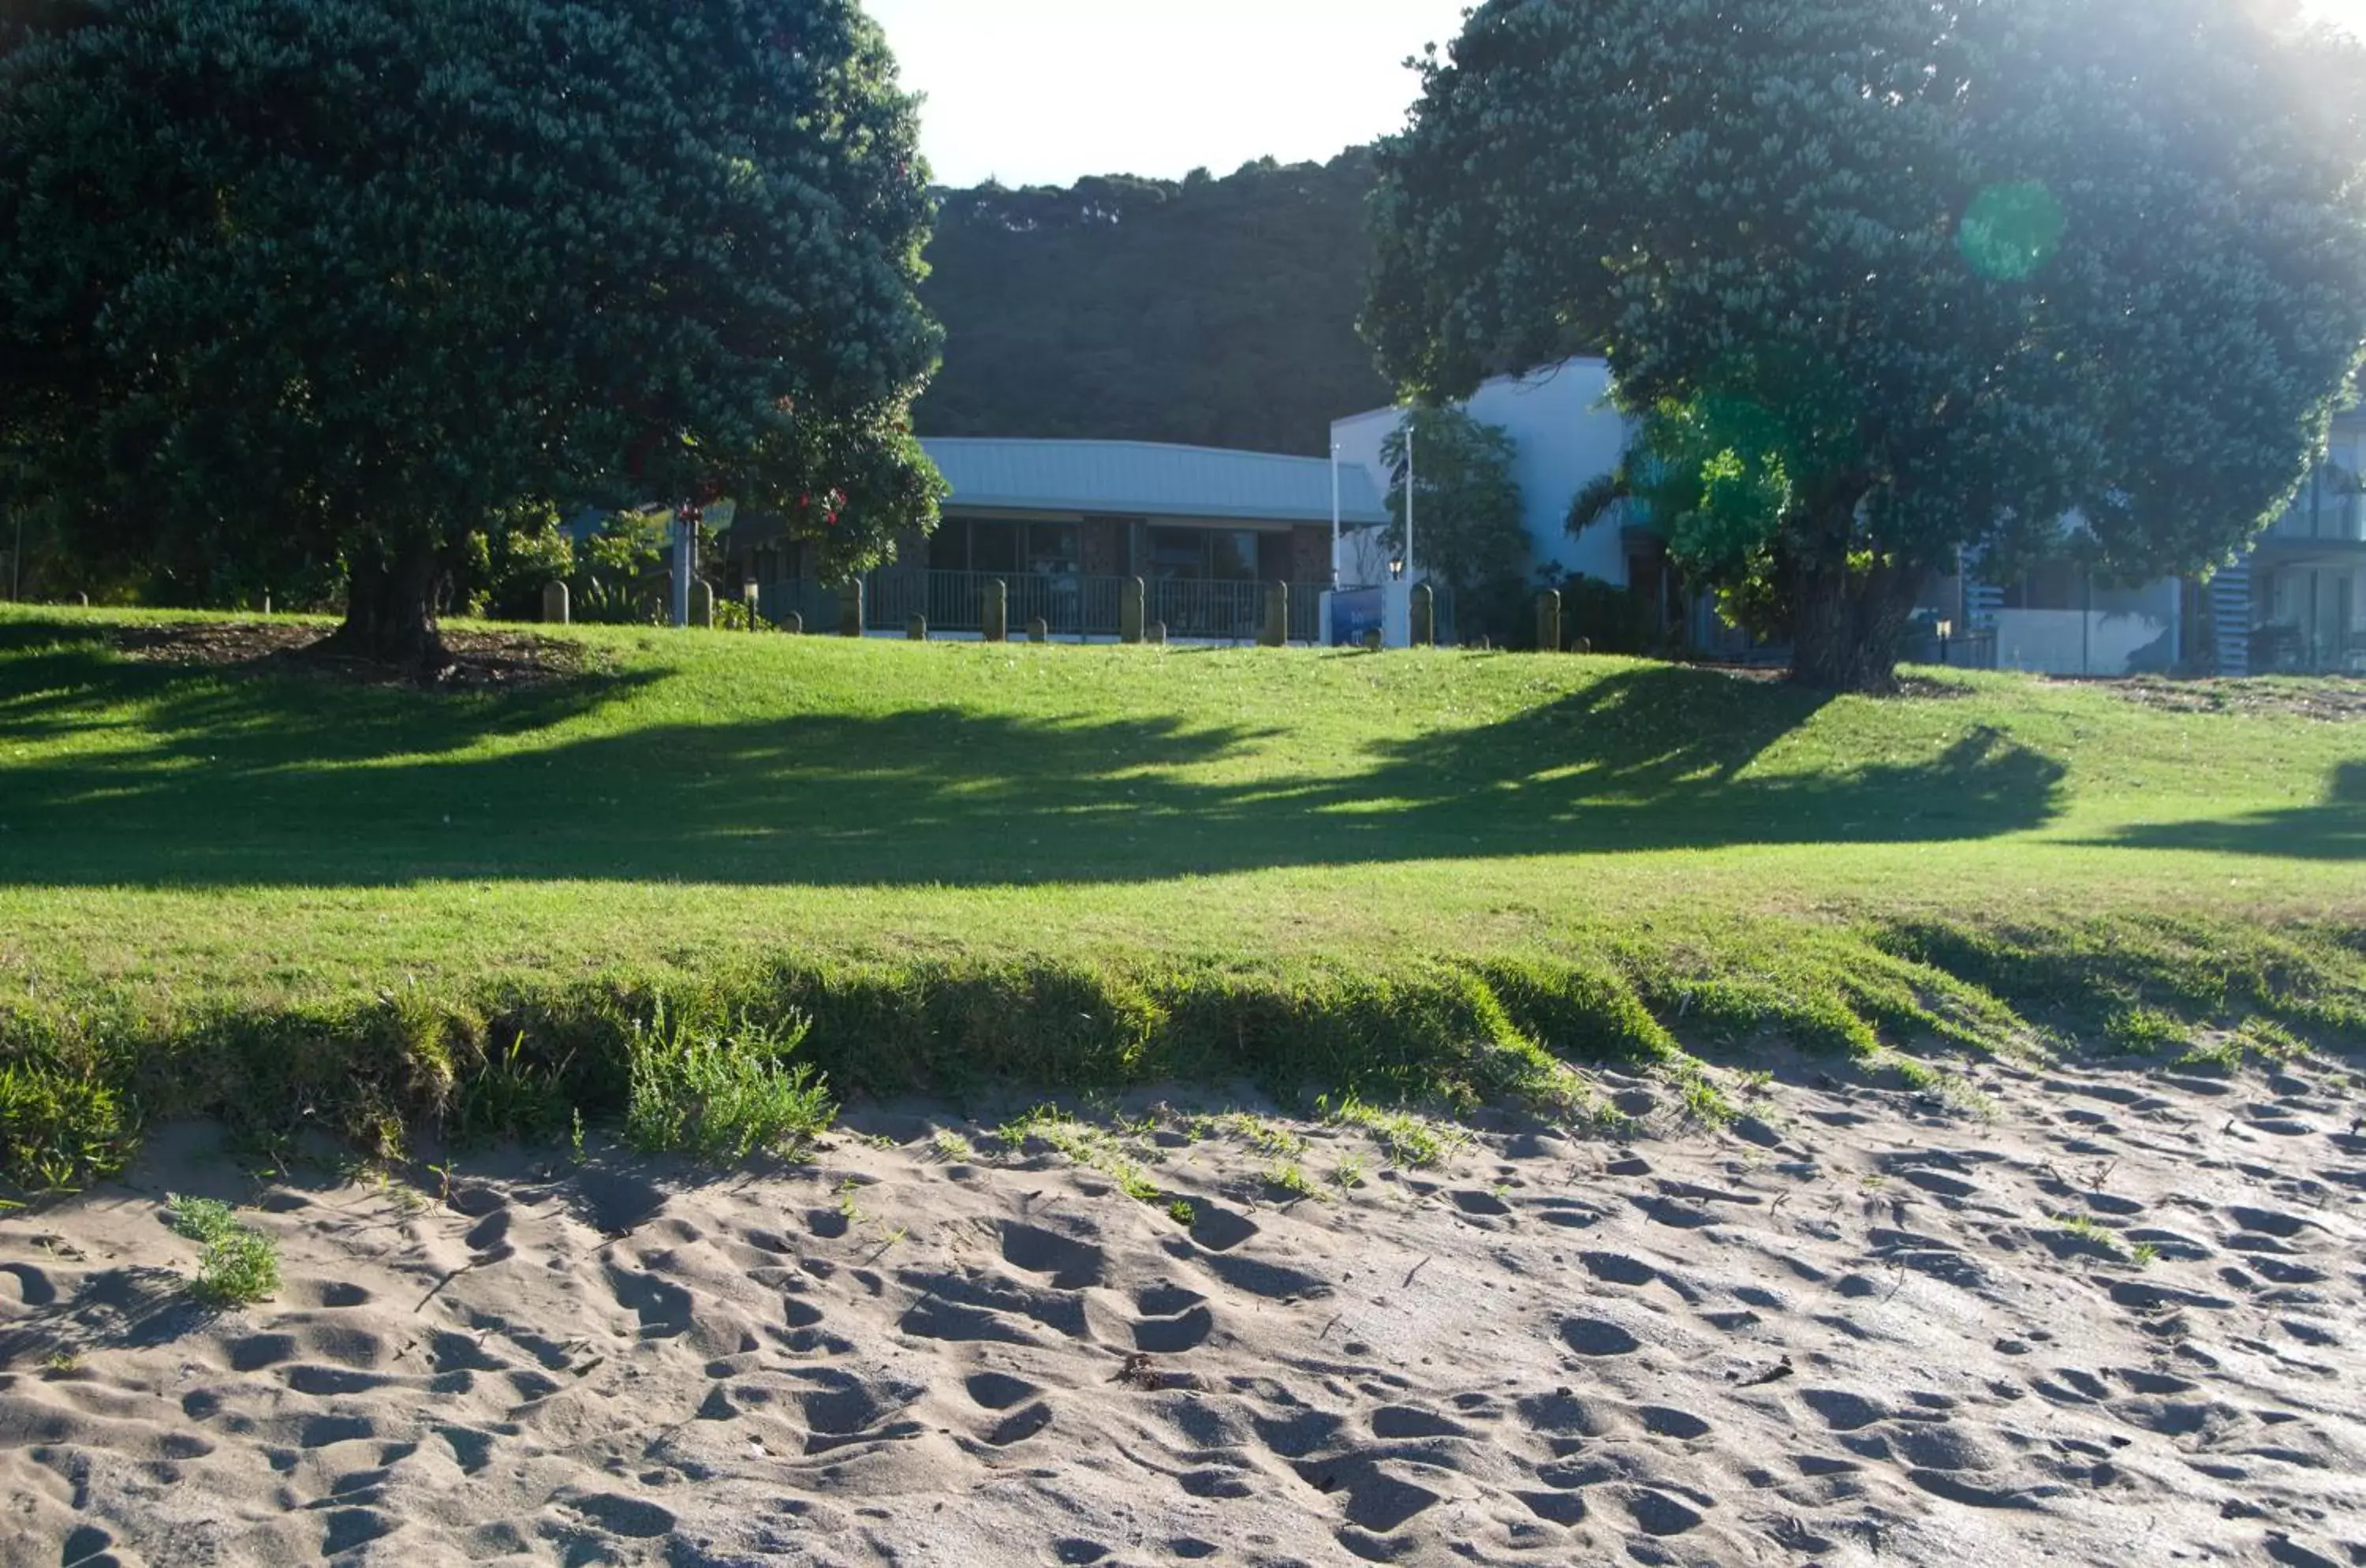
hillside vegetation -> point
(1439, 875)
(1209, 312)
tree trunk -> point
(390, 618)
(1848, 627)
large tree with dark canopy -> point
(1897, 277)
(324, 284)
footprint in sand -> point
(1594, 1337)
(1174, 1320)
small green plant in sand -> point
(2144, 1030)
(64, 1364)
(239, 1264)
(2223, 1054)
(951, 1148)
(720, 1094)
(1349, 1173)
(1182, 1212)
(1291, 1178)
(2084, 1228)
(1405, 1138)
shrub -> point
(721, 1094)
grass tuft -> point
(721, 1094)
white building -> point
(2295, 602)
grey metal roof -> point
(1145, 479)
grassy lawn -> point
(1410, 872)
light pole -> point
(1410, 488)
(1334, 517)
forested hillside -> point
(1217, 311)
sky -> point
(1040, 92)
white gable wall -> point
(1564, 437)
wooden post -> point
(849, 609)
(1132, 610)
(996, 616)
(1275, 633)
(917, 630)
(1039, 630)
(1548, 622)
(1425, 617)
(702, 605)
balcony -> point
(2329, 511)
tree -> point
(1470, 533)
(1912, 277)
(295, 283)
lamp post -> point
(1410, 488)
(1334, 517)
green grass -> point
(1431, 878)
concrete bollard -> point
(793, 624)
(702, 605)
(1155, 634)
(1548, 622)
(996, 611)
(849, 609)
(1274, 630)
(555, 604)
(1039, 630)
(1132, 610)
(917, 630)
(1425, 617)
(1371, 640)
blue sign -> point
(1355, 612)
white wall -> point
(1564, 434)
(2126, 631)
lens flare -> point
(2011, 230)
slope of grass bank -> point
(281, 896)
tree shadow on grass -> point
(2333, 830)
(262, 782)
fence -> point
(1069, 606)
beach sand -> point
(1852, 1330)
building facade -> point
(1064, 524)
(2295, 602)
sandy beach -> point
(2115, 1320)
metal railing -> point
(1069, 605)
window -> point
(1232, 556)
(949, 548)
(1052, 549)
(1178, 554)
(994, 547)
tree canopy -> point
(1890, 280)
(323, 285)
(1214, 312)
